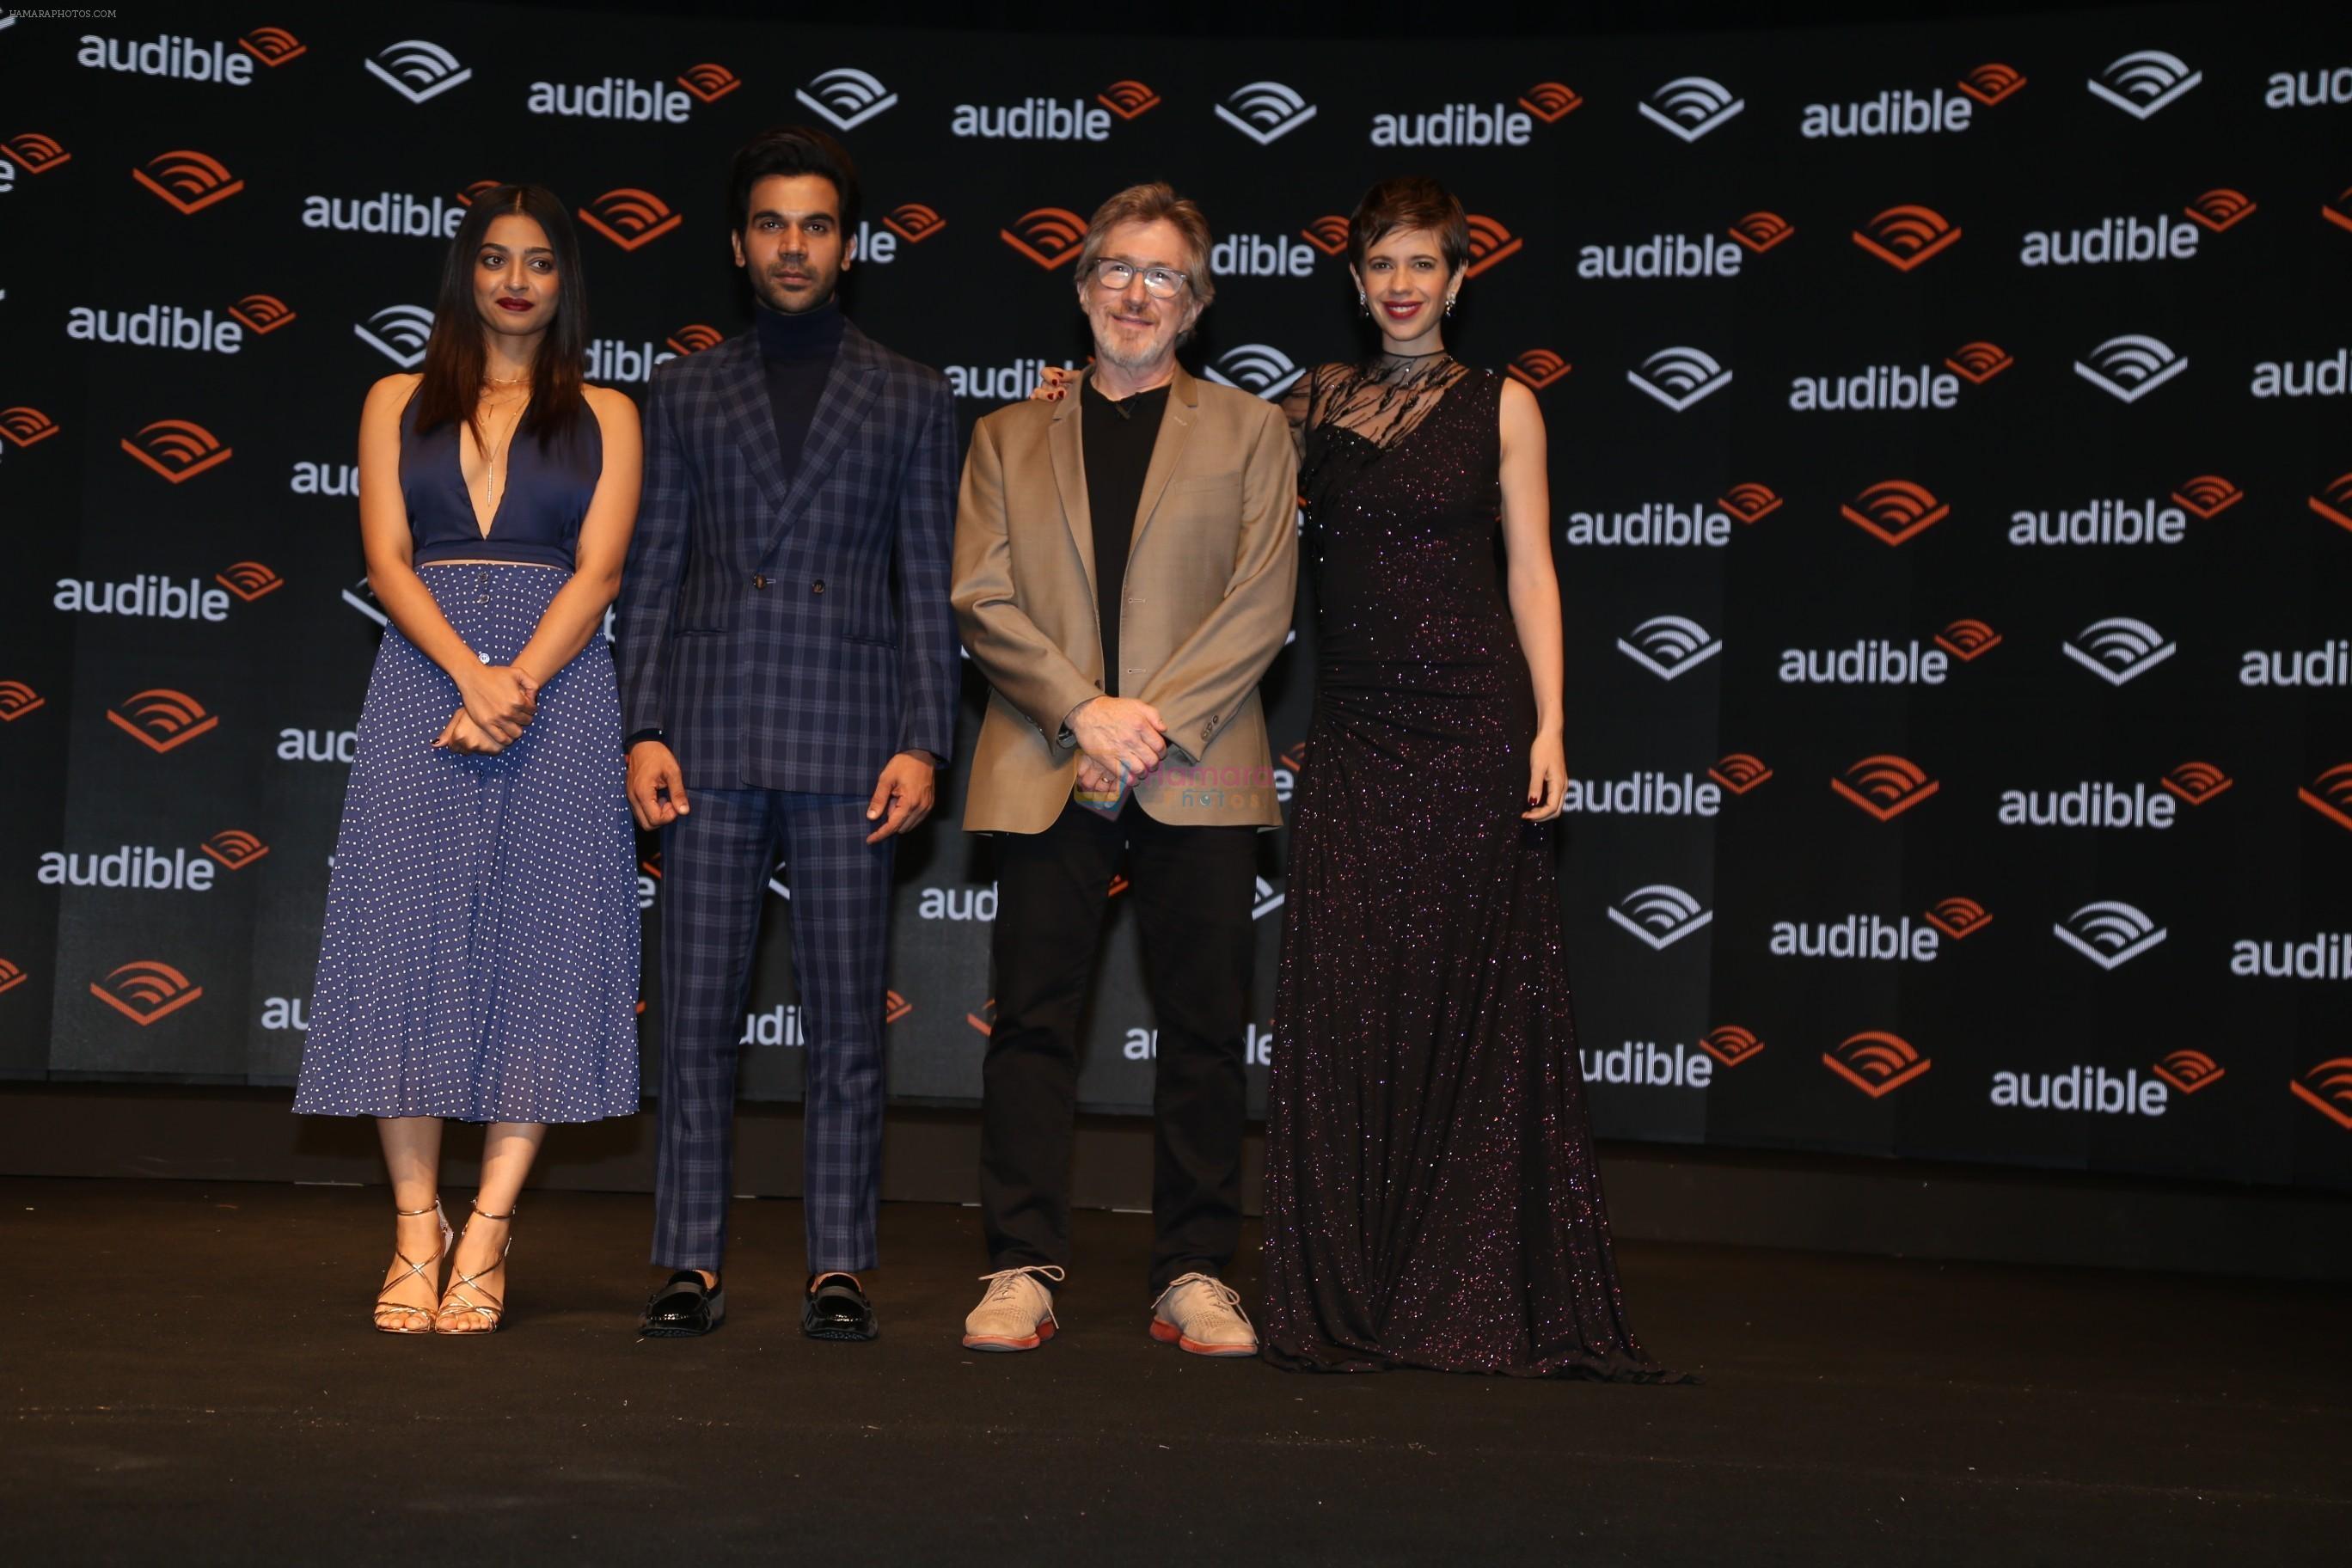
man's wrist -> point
(631, 743)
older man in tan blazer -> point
(1125, 569)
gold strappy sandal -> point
(454, 1301)
(416, 1270)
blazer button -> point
(758, 581)
(817, 586)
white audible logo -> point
(1872, 662)
(2092, 1088)
(614, 97)
(418, 69)
(398, 332)
(325, 479)
(2327, 956)
(2304, 89)
(154, 327)
(958, 904)
(2130, 366)
(1691, 106)
(1882, 386)
(610, 360)
(2110, 239)
(1032, 120)
(1679, 377)
(394, 212)
(1261, 256)
(1263, 900)
(2116, 522)
(1258, 368)
(846, 97)
(1000, 383)
(2120, 649)
(361, 596)
(2109, 933)
(1899, 111)
(2144, 81)
(1659, 914)
(1646, 1063)
(1669, 646)
(1866, 937)
(2306, 378)
(147, 596)
(1455, 125)
(1643, 795)
(1265, 112)
(1662, 256)
(2094, 802)
(2328, 665)
(318, 745)
(183, 58)
(1653, 523)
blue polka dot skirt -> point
(479, 960)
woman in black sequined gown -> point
(1431, 1199)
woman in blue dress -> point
(479, 960)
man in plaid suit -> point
(789, 676)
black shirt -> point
(1117, 437)
(796, 354)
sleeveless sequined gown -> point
(1431, 1195)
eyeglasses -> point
(1160, 282)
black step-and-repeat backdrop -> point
(1951, 474)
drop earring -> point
(1362, 309)
(1449, 305)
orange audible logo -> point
(1550, 101)
(10, 975)
(146, 990)
(234, 848)
(22, 426)
(1990, 83)
(190, 181)
(1128, 99)
(2339, 211)
(1750, 502)
(2197, 783)
(708, 82)
(178, 449)
(162, 719)
(895, 1006)
(2209, 495)
(249, 580)
(2190, 1071)
(2330, 795)
(2334, 503)
(1958, 917)
(1966, 638)
(1886, 786)
(2220, 207)
(1539, 368)
(262, 313)
(2327, 1088)
(1730, 1044)
(17, 699)
(630, 217)
(1894, 510)
(1876, 1062)
(1978, 363)
(36, 153)
(1327, 234)
(273, 46)
(1760, 231)
(1904, 236)
(694, 338)
(914, 223)
(1491, 245)
(1740, 772)
(985, 1019)
(1050, 236)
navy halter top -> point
(537, 523)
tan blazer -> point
(1212, 585)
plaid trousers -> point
(715, 862)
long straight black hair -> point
(454, 356)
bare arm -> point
(577, 611)
(1533, 589)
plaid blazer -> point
(793, 634)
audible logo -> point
(2208, 495)
(1261, 256)
(846, 97)
(1886, 786)
(629, 218)
(318, 745)
(1895, 511)
(1258, 368)
(23, 425)
(2144, 81)
(146, 869)
(1979, 362)
(2088, 1088)
(1007, 383)
(616, 98)
(1967, 640)
(1750, 502)
(285, 1014)
(398, 332)
(1264, 898)
(1327, 234)
(958, 904)
(1044, 119)
(33, 153)
(2120, 649)
(2327, 956)
(182, 58)
(1731, 1045)
(1876, 1062)
(1873, 661)
(393, 212)
(1652, 523)
(1491, 244)
(2330, 377)
(1643, 795)
(2109, 933)
(910, 221)
(2327, 1088)
(1646, 1064)
(1882, 386)
(2328, 665)
(10, 976)
(778, 1025)
(1957, 917)
(264, 313)
(2102, 522)
(325, 479)
(1897, 111)
(177, 449)
(2188, 1070)
(1680, 376)
(1662, 256)
(1992, 82)
(2158, 239)
(417, 69)
(17, 699)
(2308, 88)
(612, 360)
(1904, 236)
(2334, 503)
(1863, 936)
(1740, 772)
(162, 719)
(2197, 783)
(1660, 915)
(1669, 646)
(1050, 236)
(2098, 802)
(2330, 795)
(1691, 106)
(2220, 209)
(1537, 369)
(1471, 124)
(164, 327)
(146, 990)
(1265, 112)
(1760, 231)
(188, 180)
(709, 81)
(154, 596)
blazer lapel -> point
(850, 389)
(1070, 480)
(1167, 451)
(743, 404)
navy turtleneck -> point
(796, 355)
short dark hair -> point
(1411, 202)
(790, 149)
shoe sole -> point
(999, 1343)
(848, 1336)
(718, 1317)
(1169, 1334)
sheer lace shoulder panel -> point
(1385, 400)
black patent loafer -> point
(683, 1309)
(837, 1309)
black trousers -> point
(1191, 888)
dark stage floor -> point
(189, 1378)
